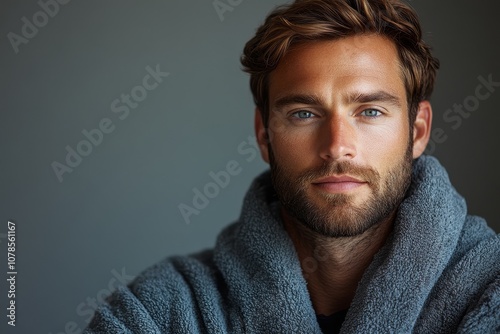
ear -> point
(422, 128)
(261, 134)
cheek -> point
(295, 148)
(385, 145)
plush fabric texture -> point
(439, 272)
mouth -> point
(339, 184)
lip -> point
(338, 179)
(341, 183)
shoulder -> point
(475, 229)
(176, 269)
(478, 240)
(477, 261)
(484, 315)
(476, 258)
(175, 277)
(163, 297)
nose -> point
(338, 139)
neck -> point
(333, 267)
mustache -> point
(363, 173)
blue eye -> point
(371, 113)
(302, 114)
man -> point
(353, 230)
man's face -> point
(340, 149)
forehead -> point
(361, 63)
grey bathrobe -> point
(439, 272)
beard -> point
(339, 216)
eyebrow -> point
(355, 97)
(297, 99)
(378, 96)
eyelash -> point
(372, 109)
(295, 117)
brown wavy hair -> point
(314, 20)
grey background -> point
(118, 210)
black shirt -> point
(331, 323)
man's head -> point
(341, 89)
(318, 20)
